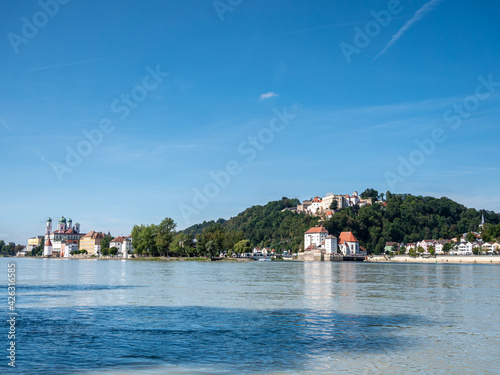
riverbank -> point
(468, 259)
(144, 258)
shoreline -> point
(439, 259)
(151, 259)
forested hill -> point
(407, 218)
(266, 225)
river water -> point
(147, 317)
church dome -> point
(49, 220)
(62, 220)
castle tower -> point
(70, 223)
(47, 249)
(77, 227)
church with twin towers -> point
(64, 239)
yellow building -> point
(34, 242)
(91, 242)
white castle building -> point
(318, 238)
(63, 240)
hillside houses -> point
(452, 247)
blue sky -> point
(352, 122)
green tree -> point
(113, 250)
(164, 234)
(471, 237)
(105, 251)
(105, 241)
(395, 248)
(182, 245)
(211, 249)
(143, 239)
(334, 205)
(10, 249)
(370, 193)
(448, 247)
(431, 250)
(242, 247)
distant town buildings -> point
(67, 240)
(55, 242)
(452, 247)
(327, 205)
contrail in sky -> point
(427, 7)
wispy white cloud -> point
(63, 65)
(75, 63)
(427, 7)
(4, 124)
(268, 95)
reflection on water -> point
(212, 317)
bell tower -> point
(48, 228)
(62, 224)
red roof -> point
(317, 199)
(93, 234)
(310, 247)
(317, 230)
(48, 243)
(347, 237)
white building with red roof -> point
(47, 248)
(348, 244)
(316, 205)
(315, 237)
(318, 239)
